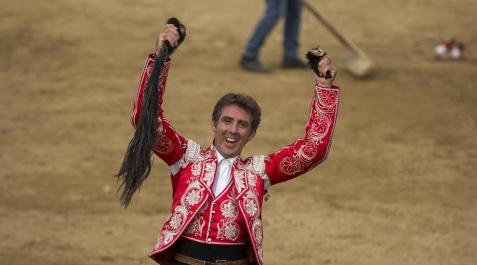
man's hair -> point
(243, 101)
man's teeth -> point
(231, 140)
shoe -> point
(254, 65)
(294, 63)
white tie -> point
(223, 176)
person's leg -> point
(291, 34)
(274, 9)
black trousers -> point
(209, 252)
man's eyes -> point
(243, 124)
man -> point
(291, 10)
(217, 196)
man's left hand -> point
(324, 66)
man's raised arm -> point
(306, 153)
(153, 132)
(170, 144)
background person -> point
(274, 9)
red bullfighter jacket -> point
(192, 185)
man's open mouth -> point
(231, 140)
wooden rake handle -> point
(341, 38)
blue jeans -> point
(291, 10)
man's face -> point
(232, 131)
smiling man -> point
(233, 124)
(215, 215)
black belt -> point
(180, 259)
(210, 252)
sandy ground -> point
(399, 186)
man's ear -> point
(251, 135)
(214, 126)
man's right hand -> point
(170, 35)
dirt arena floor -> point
(399, 186)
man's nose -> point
(234, 128)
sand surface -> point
(399, 186)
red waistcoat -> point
(219, 221)
(192, 185)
